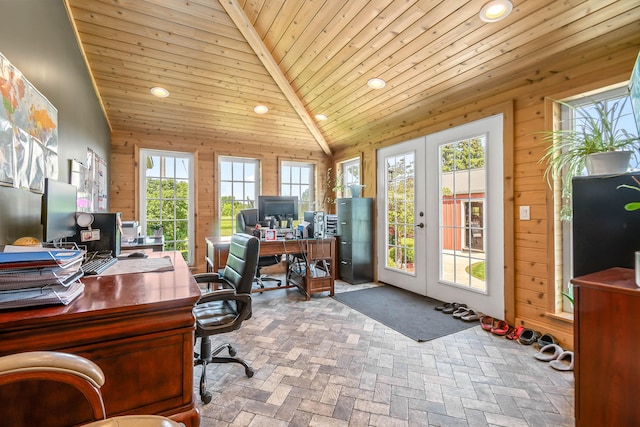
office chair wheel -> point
(232, 351)
(205, 395)
(248, 372)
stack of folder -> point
(43, 277)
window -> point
(239, 189)
(462, 220)
(166, 198)
(562, 219)
(350, 174)
(296, 179)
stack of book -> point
(43, 277)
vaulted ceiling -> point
(220, 58)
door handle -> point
(421, 225)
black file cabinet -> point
(355, 237)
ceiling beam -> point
(238, 16)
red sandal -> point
(486, 322)
(501, 328)
(515, 333)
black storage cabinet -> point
(605, 235)
(355, 239)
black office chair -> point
(246, 220)
(224, 310)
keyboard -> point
(97, 265)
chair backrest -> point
(242, 262)
(49, 409)
(246, 220)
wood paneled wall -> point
(531, 243)
(124, 172)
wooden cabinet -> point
(355, 232)
(607, 348)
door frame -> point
(506, 109)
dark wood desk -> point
(307, 282)
(139, 328)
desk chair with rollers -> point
(246, 220)
(224, 310)
(76, 371)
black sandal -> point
(528, 337)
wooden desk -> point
(606, 348)
(315, 249)
(139, 328)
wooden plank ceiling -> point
(220, 58)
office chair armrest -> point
(207, 277)
(218, 295)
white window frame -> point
(243, 188)
(565, 258)
(144, 154)
(349, 178)
(294, 181)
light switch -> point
(525, 213)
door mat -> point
(410, 314)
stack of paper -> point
(42, 277)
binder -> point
(41, 259)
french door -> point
(440, 215)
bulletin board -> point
(90, 178)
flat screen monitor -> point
(279, 207)
(59, 207)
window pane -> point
(167, 200)
(238, 190)
(462, 198)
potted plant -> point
(330, 188)
(157, 230)
(596, 143)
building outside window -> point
(239, 188)
(167, 198)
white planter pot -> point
(608, 163)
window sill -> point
(563, 316)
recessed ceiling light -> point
(376, 83)
(496, 10)
(321, 117)
(160, 92)
(260, 109)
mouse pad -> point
(139, 265)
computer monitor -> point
(59, 207)
(279, 207)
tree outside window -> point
(296, 179)
(166, 196)
(239, 186)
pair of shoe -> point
(514, 334)
(450, 307)
(495, 326)
(528, 337)
(466, 314)
(558, 358)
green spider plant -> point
(596, 131)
